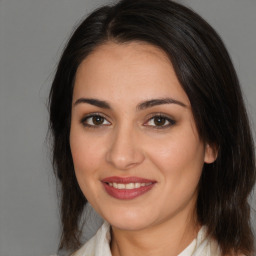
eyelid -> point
(167, 117)
(90, 115)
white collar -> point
(98, 245)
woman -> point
(150, 127)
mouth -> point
(126, 188)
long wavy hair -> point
(206, 73)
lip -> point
(126, 180)
(127, 194)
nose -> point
(125, 151)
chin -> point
(129, 220)
(129, 225)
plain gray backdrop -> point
(32, 34)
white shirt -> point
(99, 245)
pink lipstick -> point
(126, 188)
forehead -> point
(133, 70)
(116, 49)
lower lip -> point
(127, 194)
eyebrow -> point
(141, 106)
(156, 102)
(94, 102)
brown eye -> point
(94, 121)
(159, 121)
(97, 120)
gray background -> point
(33, 33)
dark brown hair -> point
(206, 73)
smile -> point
(128, 187)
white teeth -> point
(129, 185)
(120, 186)
(137, 185)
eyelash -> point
(86, 118)
(160, 115)
(153, 116)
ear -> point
(210, 153)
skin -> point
(128, 142)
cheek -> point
(180, 164)
(87, 159)
(86, 153)
(180, 157)
(84, 157)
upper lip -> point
(126, 180)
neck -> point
(168, 238)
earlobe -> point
(211, 153)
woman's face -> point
(136, 151)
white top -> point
(98, 245)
